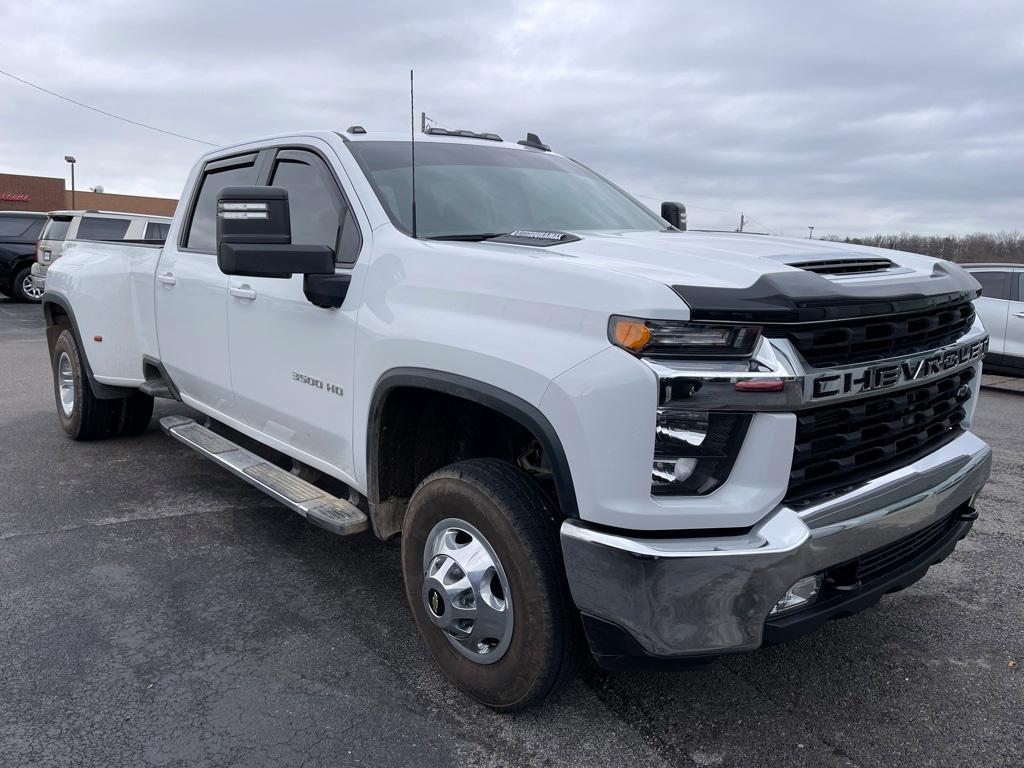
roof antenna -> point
(412, 144)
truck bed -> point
(113, 304)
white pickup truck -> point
(584, 421)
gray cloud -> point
(856, 118)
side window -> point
(319, 213)
(15, 227)
(156, 230)
(21, 228)
(994, 285)
(95, 228)
(232, 172)
(1020, 286)
(33, 232)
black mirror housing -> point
(674, 214)
(281, 261)
(254, 236)
(253, 215)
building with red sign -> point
(44, 193)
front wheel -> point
(484, 579)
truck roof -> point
(347, 136)
(449, 137)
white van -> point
(64, 226)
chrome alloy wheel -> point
(66, 384)
(465, 591)
(28, 287)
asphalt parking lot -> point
(156, 611)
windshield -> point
(467, 189)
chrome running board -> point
(315, 504)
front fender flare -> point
(476, 391)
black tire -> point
(16, 285)
(90, 417)
(136, 415)
(519, 523)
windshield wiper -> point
(474, 238)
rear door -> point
(291, 362)
(993, 306)
(191, 293)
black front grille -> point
(843, 444)
(844, 342)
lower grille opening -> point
(841, 445)
(893, 557)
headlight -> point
(678, 339)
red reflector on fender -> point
(760, 385)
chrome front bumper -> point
(691, 597)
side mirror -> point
(674, 214)
(254, 236)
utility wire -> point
(102, 112)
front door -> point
(192, 295)
(291, 362)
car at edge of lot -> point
(19, 231)
(1001, 309)
(63, 227)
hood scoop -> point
(845, 266)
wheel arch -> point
(58, 315)
(482, 394)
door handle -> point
(243, 291)
(166, 279)
(1018, 314)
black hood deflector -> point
(804, 297)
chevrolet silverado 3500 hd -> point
(584, 422)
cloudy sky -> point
(856, 118)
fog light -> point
(800, 595)
(674, 470)
(694, 451)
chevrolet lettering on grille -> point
(873, 378)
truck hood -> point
(725, 276)
(721, 260)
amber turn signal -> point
(630, 333)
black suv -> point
(19, 233)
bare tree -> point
(980, 246)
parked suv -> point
(1001, 309)
(64, 226)
(19, 231)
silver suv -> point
(1001, 309)
(64, 226)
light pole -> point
(70, 160)
(810, 234)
